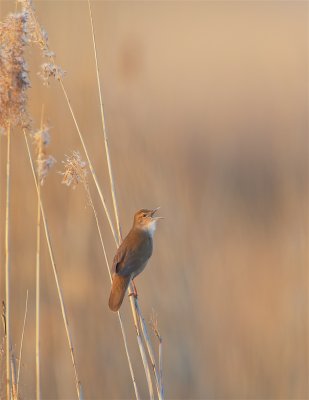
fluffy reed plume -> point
(14, 79)
(36, 33)
(41, 140)
(75, 171)
(39, 36)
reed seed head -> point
(41, 139)
(75, 170)
(50, 70)
(39, 36)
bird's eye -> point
(144, 215)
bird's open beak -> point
(153, 212)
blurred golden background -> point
(206, 106)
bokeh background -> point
(207, 115)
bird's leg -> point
(134, 293)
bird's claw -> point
(134, 294)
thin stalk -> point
(142, 348)
(37, 282)
(109, 164)
(88, 160)
(13, 372)
(59, 290)
(79, 133)
(134, 303)
(135, 319)
(7, 267)
(110, 277)
(154, 325)
(150, 351)
(21, 344)
(37, 299)
(161, 365)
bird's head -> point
(145, 219)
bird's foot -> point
(134, 293)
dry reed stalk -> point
(7, 267)
(75, 172)
(21, 346)
(59, 290)
(37, 300)
(13, 372)
(119, 315)
(88, 160)
(14, 83)
(41, 140)
(52, 70)
(113, 193)
(150, 352)
(41, 156)
(134, 303)
(141, 347)
(154, 325)
(108, 159)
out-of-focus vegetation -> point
(206, 107)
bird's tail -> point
(119, 288)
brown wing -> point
(132, 254)
(119, 258)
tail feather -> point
(119, 288)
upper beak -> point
(153, 212)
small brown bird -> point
(132, 255)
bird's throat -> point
(151, 228)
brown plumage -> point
(132, 255)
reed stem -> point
(37, 278)
(108, 158)
(59, 290)
(37, 299)
(134, 303)
(110, 277)
(21, 345)
(7, 267)
(150, 351)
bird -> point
(132, 255)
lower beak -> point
(153, 212)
